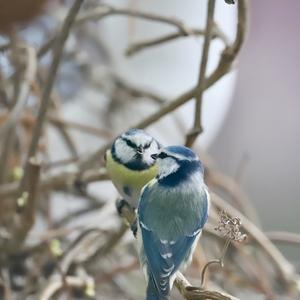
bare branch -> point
(142, 45)
(197, 128)
(106, 10)
(190, 292)
(284, 237)
(230, 53)
(27, 205)
(111, 243)
(27, 80)
(59, 46)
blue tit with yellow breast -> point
(172, 211)
(130, 163)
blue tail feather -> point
(152, 291)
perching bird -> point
(130, 164)
(172, 211)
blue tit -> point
(172, 211)
(130, 163)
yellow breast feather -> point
(122, 177)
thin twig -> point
(63, 131)
(230, 53)
(137, 91)
(107, 10)
(103, 11)
(103, 133)
(197, 128)
(26, 81)
(113, 240)
(31, 188)
(284, 237)
(142, 45)
(67, 139)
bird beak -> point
(154, 156)
(139, 150)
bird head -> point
(135, 149)
(176, 164)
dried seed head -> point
(230, 227)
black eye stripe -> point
(133, 145)
(129, 143)
(162, 155)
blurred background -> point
(250, 142)
(261, 129)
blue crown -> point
(182, 150)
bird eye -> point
(162, 155)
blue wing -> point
(168, 231)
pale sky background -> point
(264, 120)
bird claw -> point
(126, 211)
(134, 228)
(121, 204)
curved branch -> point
(190, 292)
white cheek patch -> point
(167, 166)
(123, 152)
